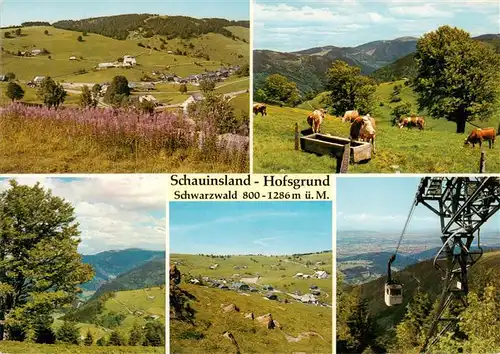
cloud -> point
(235, 219)
(367, 217)
(262, 241)
(114, 212)
(422, 11)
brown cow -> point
(260, 108)
(412, 121)
(350, 116)
(479, 134)
(315, 119)
(363, 128)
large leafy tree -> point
(457, 77)
(118, 92)
(278, 90)
(349, 89)
(87, 98)
(40, 268)
(14, 91)
(51, 93)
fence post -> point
(296, 136)
(482, 162)
(343, 160)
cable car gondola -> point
(393, 290)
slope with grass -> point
(94, 49)
(437, 149)
(30, 348)
(302, 327)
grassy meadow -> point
(95, 49)
(304, 328)
(30, 348)
(437, 149)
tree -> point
(214, 115)
(136, 335)
(18, 32)
(118, 92)
(84, 33)
(278, 90)
(51, 93)
(411, 332)
(115, 339)
(38, 253)
(401, 110)
(243, 71)
(10, 76)
(207, 85)
(457, 77)
(79, 39)
(89, 340)
(154, 334)
(183, 88)
(96, 89)
(42, 331)
(7, 34)
(14, 91)
(349, 89)
(101, 342)
(46, 32)
(147, 107)
(68, 333)
(87, 99)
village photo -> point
(251, 277)
(113, 86)
(82, 265)
(418, 270)
(376, 86)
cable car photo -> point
(393, 290)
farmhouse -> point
(214, 266)
(105, 65)
(194, 281)
(3, 78)
(321, 274)
(129, 60)
(36, 51)
(298, 275)
(272, 296)
(267, 287)
(149, 98)
(72, 58)
(240, 286)
(197, 97)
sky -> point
(295, 25)
(250, 227)
(382, 204)
(115, 212)
(14, 12)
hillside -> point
(421, 276)
(147, 25)
(405, 67)
(303, 327)
(207, 51)
(384, 60)
(110, 264)
(401, 150)
(151, 273)
(307, 67)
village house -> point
(129, 60)
(72, 58)
(36, 51)
(106, 65)
(197, 97)
(240, 286)
(321, 274)
(149, 98)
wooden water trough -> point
(341, 148)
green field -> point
(30, 348)
(297, 320)
(96, 49)
(134, 305)
(437, 149)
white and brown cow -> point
(363, 128)
(315, 119)
(350, 116)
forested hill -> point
(148, 25)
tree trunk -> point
(461, 120)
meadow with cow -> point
(445, 118)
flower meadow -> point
(127, 140)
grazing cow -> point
(315, 119)
(363, 128)
(410, 122)
(478, 135)
(350, 116)
(260, 108)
